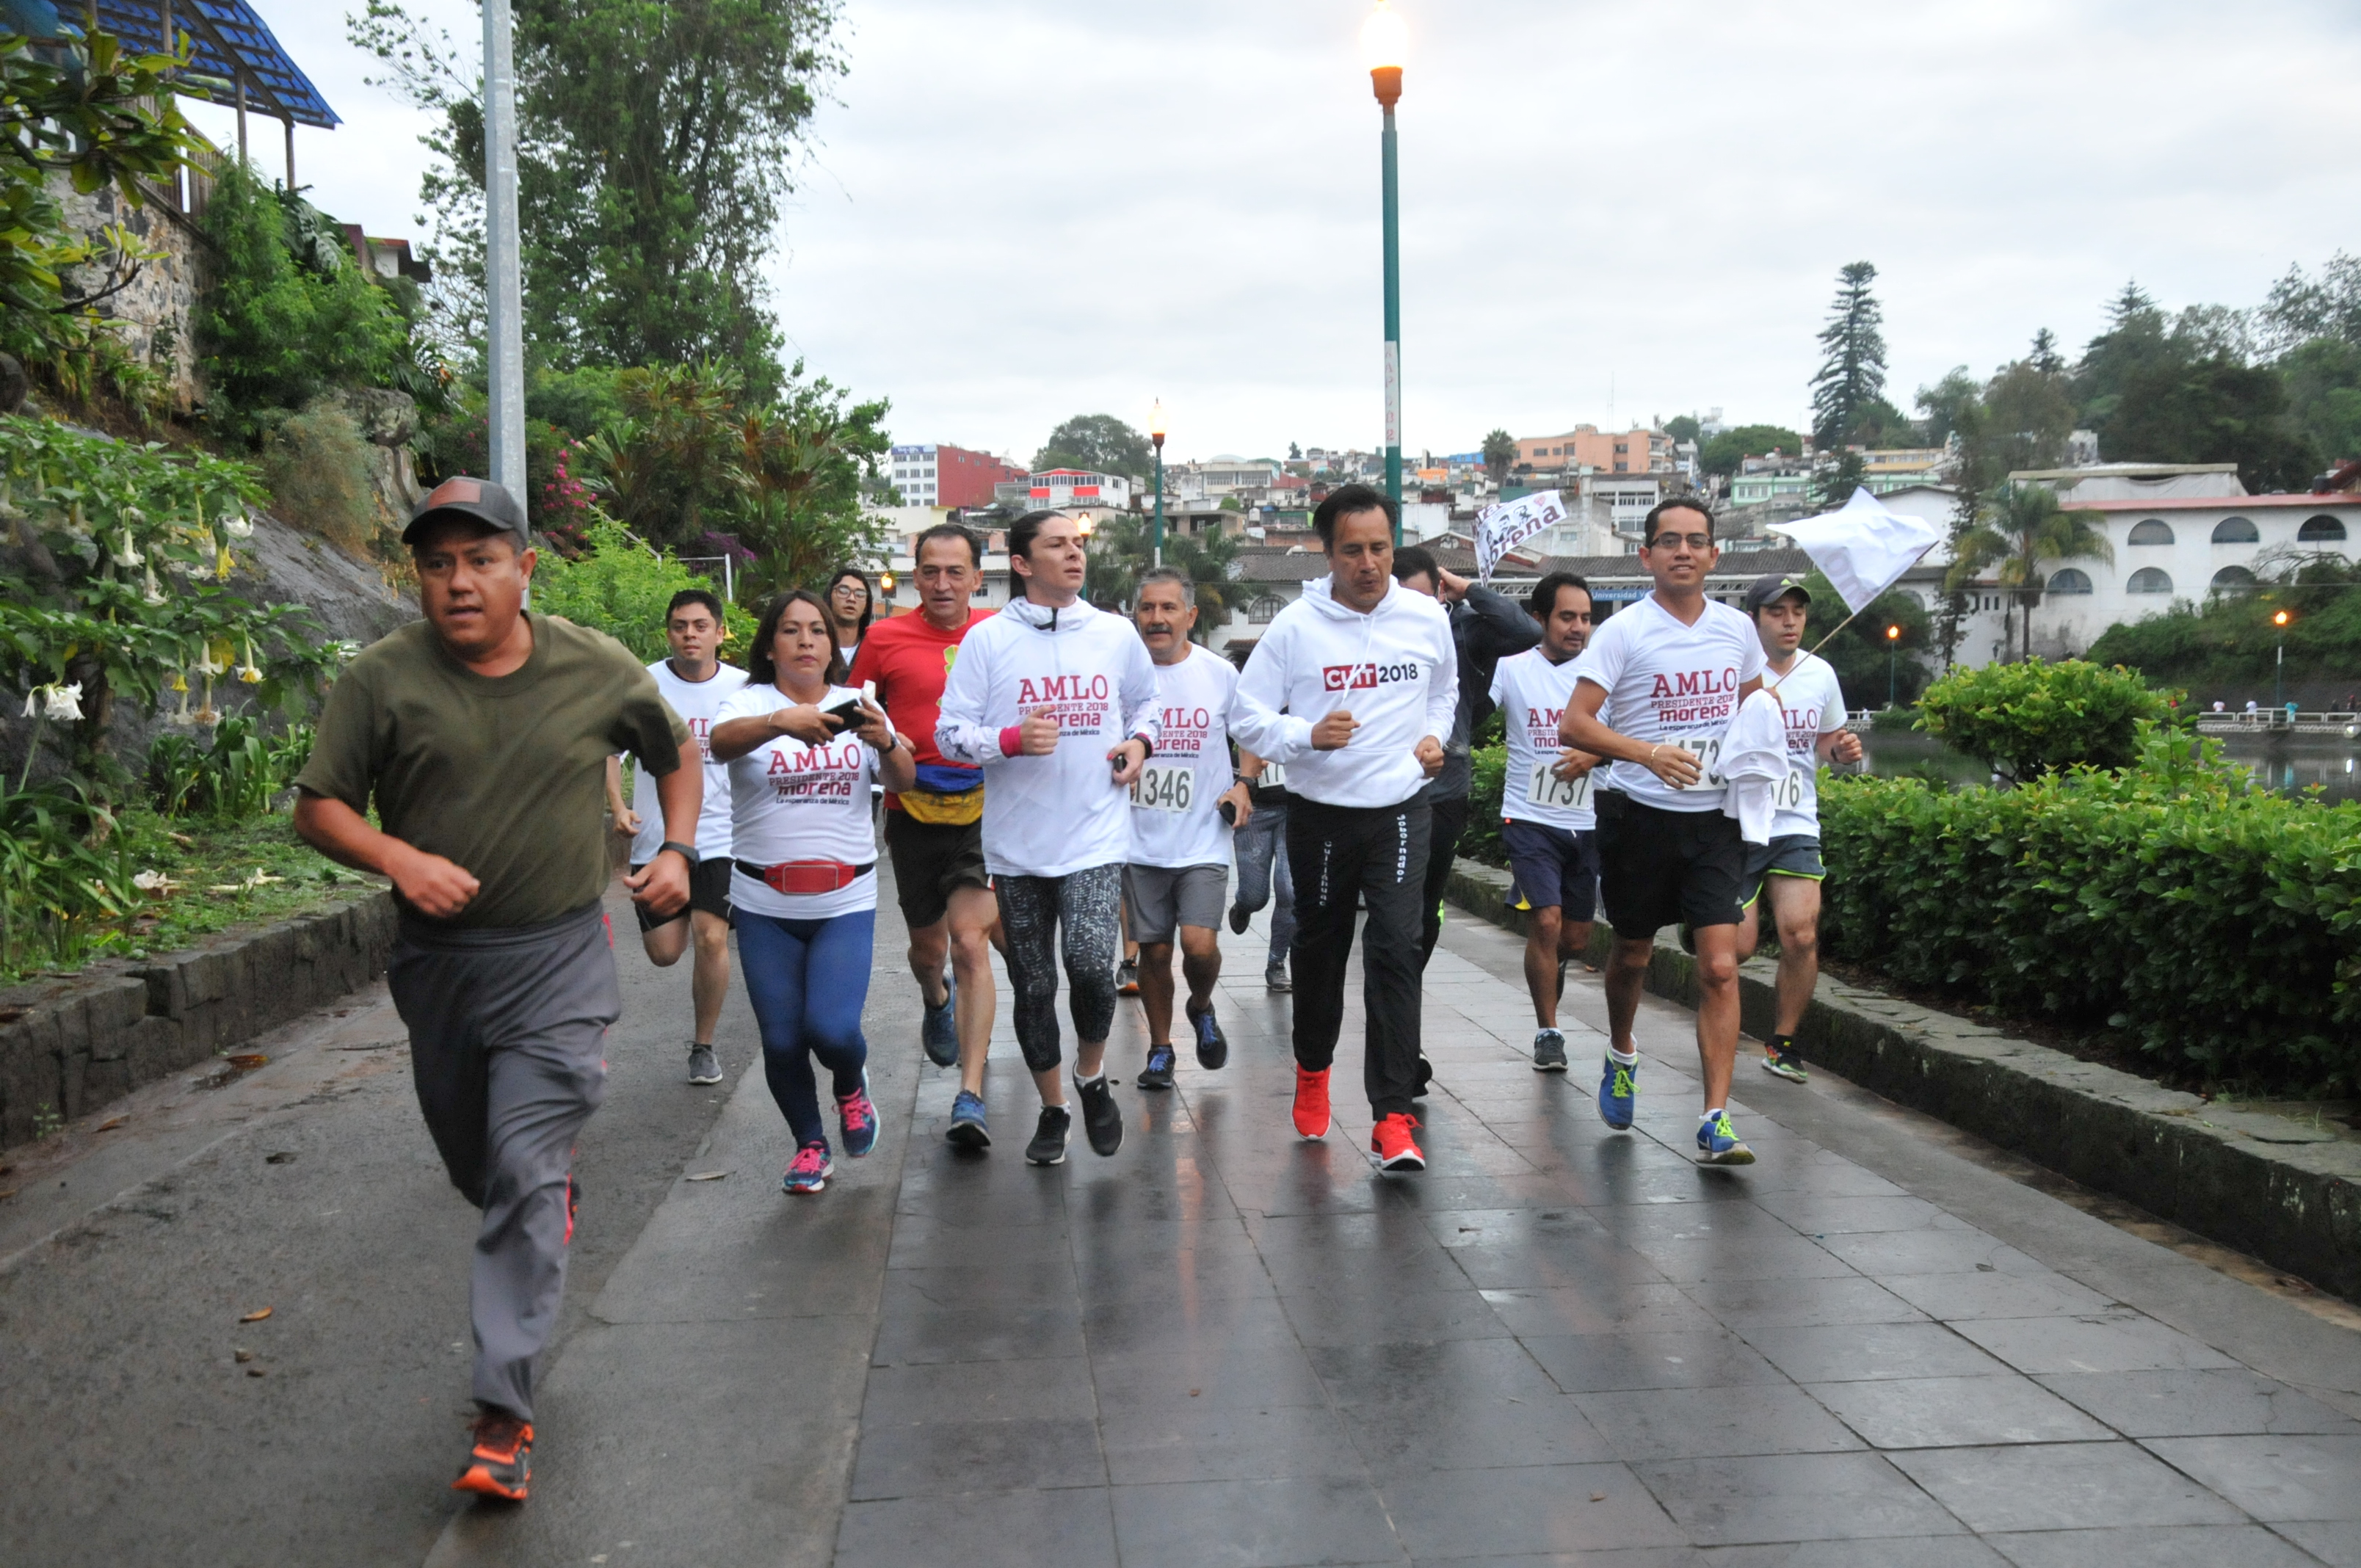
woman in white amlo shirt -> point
(803, 893)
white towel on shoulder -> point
(1754, 760)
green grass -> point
(213, 867)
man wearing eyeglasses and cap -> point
(1786, 872)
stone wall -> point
(69, 1045)
(152, 313)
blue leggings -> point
(809, 980)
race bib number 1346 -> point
(1170, 787)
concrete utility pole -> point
(503, 279)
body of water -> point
(2288, 763)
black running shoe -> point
(1238, 918)
(1421, 1078)
(1275, 980)
(1101, 1123)
(1549, 1051)
(1212, 1046)
(1158, 1073)
(1049, 1145)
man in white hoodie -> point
(1354, 690)
(1655, 689)
(1056, 702)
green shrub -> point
(1886, 721)
(619, 587)
(233, 780)
(319, 467)
(1481, 841)
(2036, 717)
(2219, 925)
(284, 316)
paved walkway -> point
(1226, 1345)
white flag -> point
(1862, 548)
(1504, 525)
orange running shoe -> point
(500, 1463)
(1391, 1141)
(1311, 1102)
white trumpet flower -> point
(62, 703)
(250, 671)
(236, 525)
(127, 555)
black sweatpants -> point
(1340, 856)
(1443, 848)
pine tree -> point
(2045, 356)
(1853, 373)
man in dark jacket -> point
(1487, 627)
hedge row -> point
(2217, 924)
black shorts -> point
(1556, 868)
(709, 889)
(931, 860)
(1659, 868)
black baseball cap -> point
(481, 499)
(1773, 586)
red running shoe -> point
(500, 1463)
(1391, 1141)
(1311, 1102)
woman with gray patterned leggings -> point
(1044, 918)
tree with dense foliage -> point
(1833, 483)
(285, 316)
(2229, 645)
(1097, 444)
(1724, 453)
(1499, 453)
(655, 146)
(2036, 717)
(2020, 530)
(1681, 427)
(2212, 411)
(1852, 366)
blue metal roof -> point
(227, 40)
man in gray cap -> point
(482, 734)
(1787, 871)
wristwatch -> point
(685, 852)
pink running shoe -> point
(859, 1115)
(808, 1171)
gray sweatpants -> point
(507, 1032)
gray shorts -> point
(1157, 898)
(1789, 854)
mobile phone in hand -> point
(843, 713)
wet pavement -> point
(1882, 1343)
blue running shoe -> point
(1212, 1046)
(938, 1028)
(808, 1171)
(1718, 1142)
(1158, 1073)
(968, 1129)
(1619, 1086)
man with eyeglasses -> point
(1653, 691)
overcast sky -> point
(1016, 212)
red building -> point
(943, 475)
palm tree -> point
(2017, 527)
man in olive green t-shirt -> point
(482, 735)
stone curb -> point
(2262, 1184)
(72, 1045)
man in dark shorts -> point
(696, 682)
(1653, 691)
(482, 733)
(934, 834)
(1546, 823)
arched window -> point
(2150, 580)
(2154, 530)
(2234, 531)
(1265, 610)
(2067, 580)
(2233, 580)
(2320, 530)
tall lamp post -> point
(1385, 40)
(1893, 653)
(2278, 672)
(503, 290)
(1156, 434)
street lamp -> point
(1156, 434)
(2279, 674)
(1385, 41)
(1893, 653)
